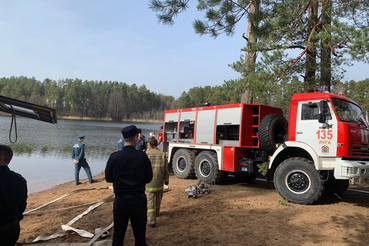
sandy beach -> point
(232, 214)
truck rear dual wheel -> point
(206, 167)
(297, 181)
(273, 131)
(183, 164)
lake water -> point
(42, 153)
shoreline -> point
(96, 119)
(108, 119)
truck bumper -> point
(345, 169)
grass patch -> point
(283, 202)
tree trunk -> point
(246, 96)
(310, 65)
(325, 65)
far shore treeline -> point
(119, 101)
(91, 99)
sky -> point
(117, 40)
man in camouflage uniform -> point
(154, 189)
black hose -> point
(11, 127)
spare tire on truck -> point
(183, 164)
(273, 130)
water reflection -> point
(42, 153)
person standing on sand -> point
(78, 155)
(129, 170)
(154, 190)
(121, 143)
(152, 136)
(141, 143)
(13, 199)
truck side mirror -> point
(323, 107)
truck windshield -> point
(349, 112)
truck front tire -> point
(183, 164)
(206, 167)
(297, 181)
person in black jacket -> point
(129, 170)
(141, 143)
(121, 143)
(13, 199)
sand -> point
(231, 214)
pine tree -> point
(221, 16)
(294, 38)
(318, 29)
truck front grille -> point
(359, 150)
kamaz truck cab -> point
(327, 145)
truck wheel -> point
(335, 186)
(183, 164)
(206, 167)
(297, 181)
(272, 132)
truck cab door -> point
(322, 137)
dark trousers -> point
(9, 237)
(86, 167)
(133, 208)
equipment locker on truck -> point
(324, 144)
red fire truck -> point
(324, 145)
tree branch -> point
(279, 47)
(238, 13)
(339, 46)
(304, 51)
(300, 16)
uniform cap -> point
(81, 136)
(130, 131)
(152, 134)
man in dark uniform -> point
(121, 143)
(141, 143)
(129, 170)
(13, 199)
(78, 155)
